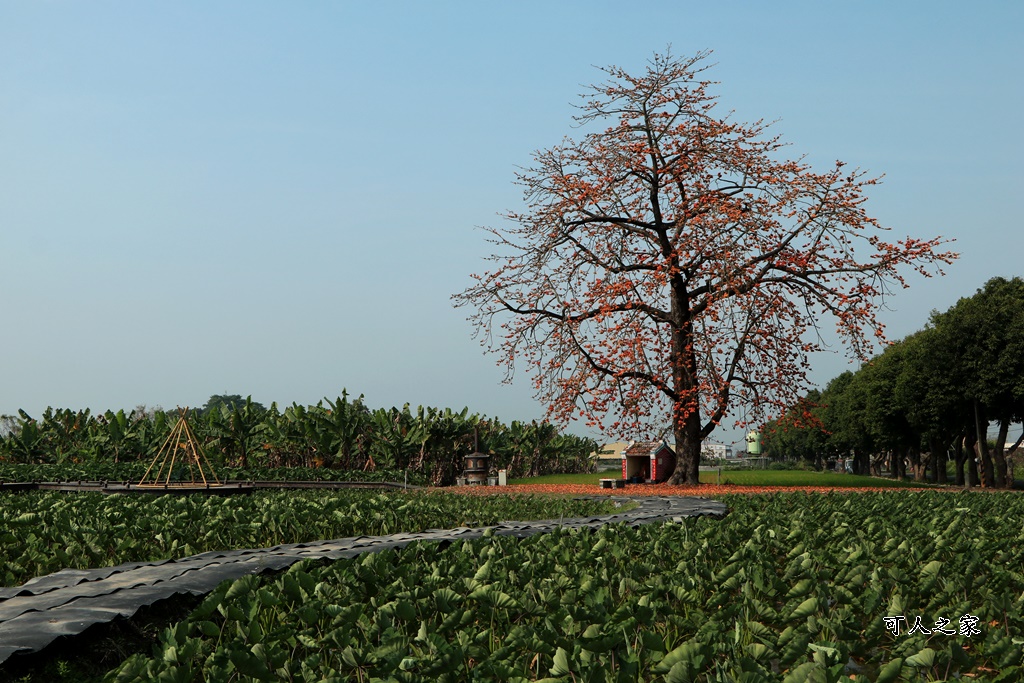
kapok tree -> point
(669, 268)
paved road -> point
(69, 601)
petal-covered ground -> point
(662, 489)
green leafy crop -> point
(42, 532)
(786, 588)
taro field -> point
(42, 532)
(908, 586)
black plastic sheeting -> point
(227, 488)
(69, 601)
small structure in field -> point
(180, 452)
(476, 469)
(477, 465)
(650, 462)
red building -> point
(651, 462)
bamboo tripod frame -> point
(180, 440)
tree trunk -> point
(861, 463)
(933, 459)
(970, 441)
(981, 445)
(936, 464)
(897, 464)
(999, 456)
(987, 471)
(687, 453)
(959, 459)
(686, 411)
(918, 462)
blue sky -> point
(278, 199)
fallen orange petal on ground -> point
(660, 489)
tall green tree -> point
(988, 332)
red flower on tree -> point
(671, 267)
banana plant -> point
(236, 430)
(114, 433)
(396, 436)
(65, 432)
(26, 444)
(451, 438)
(344, 424)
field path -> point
(68, 602)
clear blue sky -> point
(278, 199)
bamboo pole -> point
(181, 438)
(161, 450)
(162, 455)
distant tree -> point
(929, 390)
(671, 267)
(799, 432)
(845, 419)
(231, 401)
(985, 333)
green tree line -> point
(928, 398)
(339, 434)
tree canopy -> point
(231, 401)
(669, 266)
(935, 392)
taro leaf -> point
(652, 641)
(802, 673)
(679, 673)
(895, 606)
(759, 630)
(758, 650)
(405, 611)
(731, 583)
(484, 572)
(802, 588)
(804, 609)
(752, 677)
(241, 586)
(689, 654)
(446, 599)
(266, 598)
(925, 658)
(930, 574)
(1014, 655)
(796, 649)
(890, 671)
(825, 655)
(728, 571)
(1010, 673)
(249, 665)
(351, 658)
(209, 629)
(561, 663)
(133, 669)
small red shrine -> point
(650, 462)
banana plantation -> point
(340, 435)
